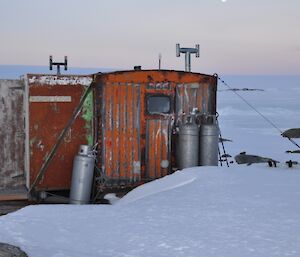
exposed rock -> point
(249, 159)
(292, 133)
(7, 250)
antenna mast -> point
(58, 64)
(188, 52)
(159, 61)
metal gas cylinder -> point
(187, 145)
(82, 175)
(208, 145)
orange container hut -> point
(136, 113)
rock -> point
(249, 159)
(7, 250)
(292, 133)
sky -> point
(235, 36)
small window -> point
(158, 104)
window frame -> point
(158, 113)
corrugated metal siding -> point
(193, 95)
(121, 156)
(52, 101)
(11, 134)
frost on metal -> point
(11, 134)
(60, 80)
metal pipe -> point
(188, 61)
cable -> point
(258, 112)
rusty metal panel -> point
(158, 142)
(51, 103)
(194, 95)
(11, 134)
(120, 137)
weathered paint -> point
(88, 116)
(119, 133)
(135, 146)
(52, 80)
(11, 134)
(47, 119)
(194, 95)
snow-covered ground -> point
(239, 211)
(279, 102)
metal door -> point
(159, 119)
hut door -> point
(158, 116)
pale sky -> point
(235, 36)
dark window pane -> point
(158, 104)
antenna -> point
(159, 61)
(188, 52)
(58, 64)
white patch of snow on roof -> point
(60, 80)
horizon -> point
(15, 71)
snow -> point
(61, 80)
(241, 211)
(207, 211)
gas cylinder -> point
(82, 175)
(208, 145)
(187, 145)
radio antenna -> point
(188, 52)
(58, 64)
(159, 61)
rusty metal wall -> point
(51, 103)
(120, 133)
(125, 129)
(11, 134)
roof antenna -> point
(159, 61)
(187, 52)
(58, 64)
